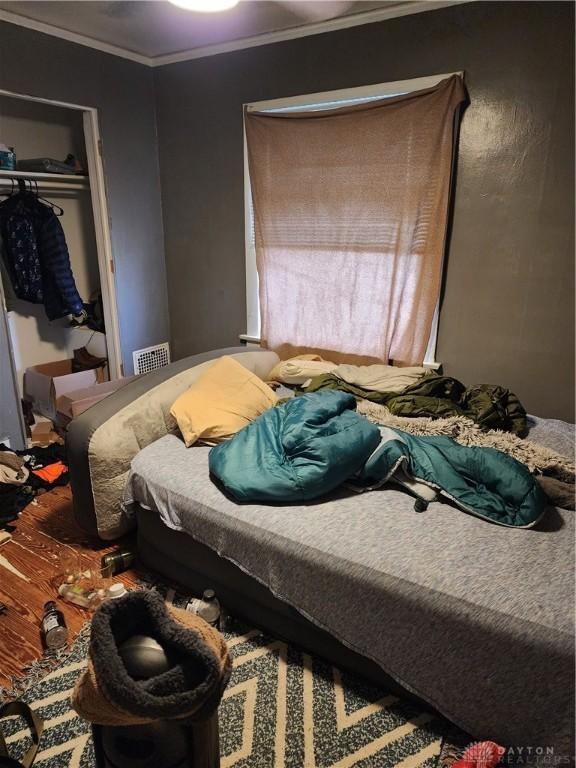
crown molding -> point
(73, 37)
(401, 8)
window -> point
(317, 102)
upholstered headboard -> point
(103, 440)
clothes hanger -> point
(12, 188)
(34, 190)
(30, 187)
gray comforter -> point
(474, 618)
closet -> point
(40, 130)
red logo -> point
(482, 754)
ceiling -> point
(155, 29)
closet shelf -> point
(55, 181)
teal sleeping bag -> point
(297, 451)
(308, 446)
(482, 481)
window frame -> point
(317, 102)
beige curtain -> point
(350, 212)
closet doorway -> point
(44, 130)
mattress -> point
(474, 618)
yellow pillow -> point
(221, 402)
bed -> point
(472, 618)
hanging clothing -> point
(36, 256)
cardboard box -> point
(74, 403)
(42, 432)
(44, 384)
(41, 426)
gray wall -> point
(508, 310)
(45, 66)
(10, 424)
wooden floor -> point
(29, 565)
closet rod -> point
(54, 186)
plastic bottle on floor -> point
(207, 607)
(115, 591)
(74, 593)
(54, 630)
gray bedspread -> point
(474, 618)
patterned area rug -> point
(283, 708)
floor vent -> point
(151, 358)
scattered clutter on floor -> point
(26, 474)
(42, 432)
(19, 711)
(89, 594)
(415, 732)
(92, 586)
(54, 629)
(207, 607)
(78, 594)
(118, 561)
(192, 694)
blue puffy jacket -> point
(36, 255)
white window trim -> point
(317, 102)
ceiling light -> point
(205, 6)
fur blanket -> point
(539, 459)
